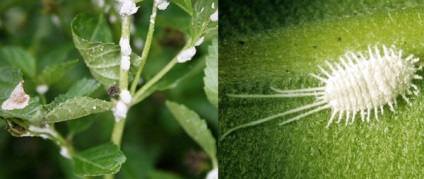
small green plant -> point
(118, 70)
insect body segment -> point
(368, 84)
(355, 86)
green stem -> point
(146, 48)
(125, 33)
(43, 99)
(138, 95)
(118, 130)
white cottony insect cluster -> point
(186, 55)
(128, 8)
(213, 174)
(121, 108)
(358, 85)
(200, 41)
(162, 4)
(124, 43)
(214, 16)
(44, 132)
(125, 53)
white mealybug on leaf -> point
(356, 85)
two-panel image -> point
(173, 89)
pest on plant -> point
(359, 84)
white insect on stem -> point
(214, 16)
(120, 111)
(124, 43)
(356, 85)
(186, 55)
(152, 18)
(162, 4)
(121, 108)
(213, 174)
(125, 96)
(200, 41)
(125, 62)
(128, 8)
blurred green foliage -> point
(154, 143)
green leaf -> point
(185, 5)
(53, 73)
(100, 160)
(83, 87)
(19, 58)
(56, 54)
(78, 126)
(211, 73)
(91, 28)
(9, 79)
(91, 34)
(201, 24)
(195, 127)
(28, 113)
(77, 107)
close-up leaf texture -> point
(277, 44)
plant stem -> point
(118, 130)
(125, 33)
(137, 97)
(146, 48)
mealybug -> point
(355, 85)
